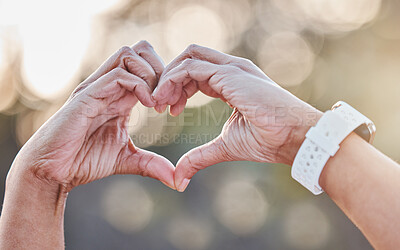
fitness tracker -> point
(323, 141)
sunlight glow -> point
(53, 50)
(55, 36)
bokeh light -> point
(306, 226)
(199, 99)
(49, 68)
(286, 58)
(237, 16)
(11, 12)
(327, 16)
(25, 127)
(241, 207)
(320, 50)
(117, 34)
(30, 121)
(386, 26)
(190, 233)
(127, 206)
(195, 24)
(278, 16)
(149, 128)
(8, 93)
(1, 51)
(339, 15)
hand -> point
(87, 139)
(268, 123)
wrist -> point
(297, 136)
(33, 212)
(23, 184)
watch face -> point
(366, 131)
(336, 105)
(372, 130)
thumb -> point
(145, 163)
(197, 159)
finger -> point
(204, 73)
(127, 59)
(138, 66)
(191, 88)
(145, 163)
(160, 108)
(197, 159)
(188, 91)
(213, 56)
(200, 53)
(147, 52)
(176, 93)
(112, 85)
(179, 106)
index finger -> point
(147, 52)
(216, 57)
(200, 53)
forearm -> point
(365, 184)
(32, 214)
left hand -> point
(268, 124)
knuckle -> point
(246, 62)
(192, 47)
(187, 62)
(192, 166)
(124, 50)
(231, 69)
(144, 44)
(79, 89)
(117, 71)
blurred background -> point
(320, 50)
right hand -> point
(87, 139)
(268, 124)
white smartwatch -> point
(323, 140)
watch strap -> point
(322, 142)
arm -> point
(86, 140)
(365, 184)
(33, 213)
(269, 124)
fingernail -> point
(152, 103)
(158, 109)
(168, 185)
(155, 91)
(181, 187)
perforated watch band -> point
(322, 142)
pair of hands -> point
(87, 139)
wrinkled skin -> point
(87, 139)
(267, 123)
